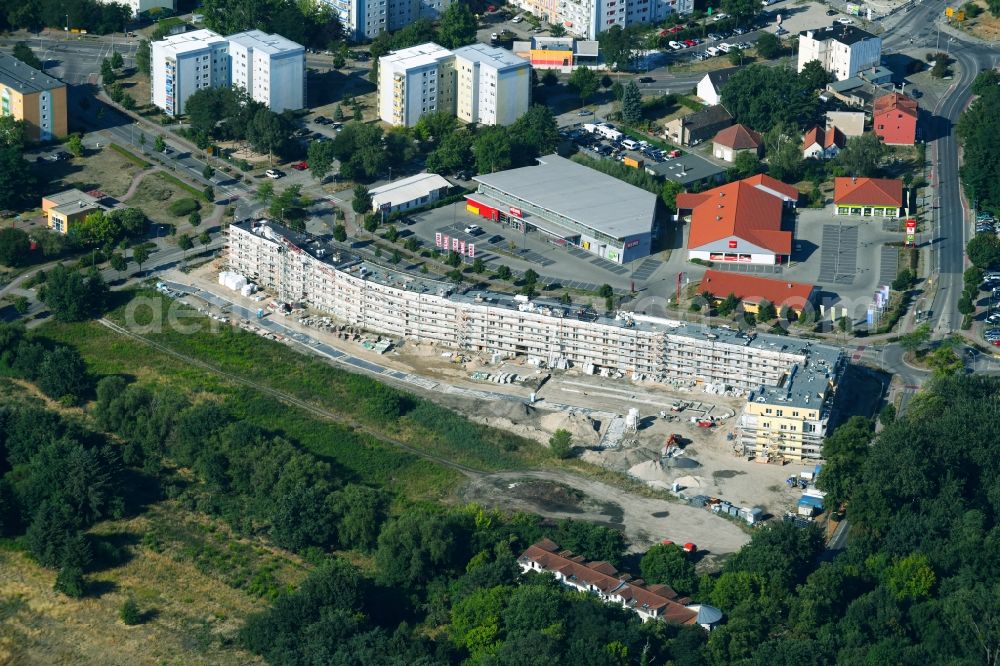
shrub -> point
(129, 612)
(183, 207)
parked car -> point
(831, 12)
(494, 38)
(720, 16)
(674, 45)
(473, 229)
(711, 51)
(725, 47)
(585, 112)
(690, 42)
(714, 36)
(273, 174)
(843, 20)
(300, 166)
(674, 153)
(517, 19)
(994, 318)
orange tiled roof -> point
(895, 102)
(868, 191)
(606, 578)
(752, 289)
(830, 136)
(738, 137)
(742, 209)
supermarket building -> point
(572, 204)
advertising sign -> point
(437, 239)
(516, 212)
(732, 244)
(472, 250)
(911, 232)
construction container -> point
(632, 162)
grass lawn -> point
(102, 169)
(192, 579)
(154, 196)
(358, 454)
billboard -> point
(911, 232)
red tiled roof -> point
(752, 289)
(738, 137)
(895, 102)
(868, 191)
(763, 181)
(604, 577)
(824, 137)
(747, 211)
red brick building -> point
(894, 118)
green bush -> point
(183, 207)
(129, 612)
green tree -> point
(63, 375)
(746, 164)
(814, 76)
(782, 146)
(984, 250)
(631, 104)
(911, 577)
(21, 305)
(139, 255)
(11, 132)
(763, 97)
(904, 280)
(339, 233)
(768, 46)
(184, 242)
(320, 157)
(846, 450)
(862, 155)
(207, 172)
(70, 582)
(766, 311)
(415, 547)
(557, 31)
(129, 612)
(361, 203)
(605, 291)
(194, 219)
(71, 296)
(585, 82)
(457, 26)
(669, 193)
(916, 339)
(15, 247)
(561, 443)
(728, 305)
(265, 192)
(117, 61)
(887, 415)
(668, 564)
(944, 361)
(503, 272)
(741, 10)
(74, 144)
(118, 262)
(143, 57)
(24, 53)
(159, 143)
(204, 238)
(478, 266)
(108, 75)
(492, 149)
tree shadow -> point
(99, 588)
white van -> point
(712, 51)
(630, 144)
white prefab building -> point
(407, 193)
(271, 68)
(184, 63)
(843, 50)
(589, 18)
(493, 86)
(415, 81)
(365, 19)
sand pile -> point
(650, 472)
(688, 481)
(517, 412)
(583, 428)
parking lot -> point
(497, 245)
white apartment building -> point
(478, 83)
(300, 269)
(365, 19)
(589, 18)
(415, 81)
(271, 68)
(843, 50)
(139, 6)
(493, 86)
(184, 63)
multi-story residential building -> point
(492, 85)
(365, 19)
(185, 63)
(36, 98)
(300, 269)
(140, 6)
(478, 83)
(843, 50)
(894, 118)
(415, 81)
(271, 68)
(589, 18)
(649, 602)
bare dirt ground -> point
(646, 521)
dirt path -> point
(136, 182)
(556, 494)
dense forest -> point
(917, 583)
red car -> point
(690, 42)
(674, 153)
(300, 166)
(690, 547)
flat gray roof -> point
(265, 43)
(24, 79)
(586, 196)
(490, 55)
(684, 170)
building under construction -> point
(300, 269)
